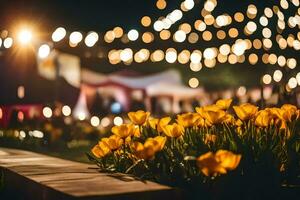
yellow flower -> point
(149, 149)
(100, 150)
(141, 152)
(281, 115)
(158, 143)
(219, 163)
(290, 111)
(229, 119)
(245, 111)
(139, 117)
(124, 130)
(173, 130)
(212, 114)
(210, 138)
(152, 122)
(209, 166)
(114, 142)
(227, 159)
(263, 118)
(201, 122)
(158, 124)
(188, 119)
(238, 123)
(224, 104)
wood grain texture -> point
(44, 177)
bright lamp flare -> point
(25, 36)
(133, 35)
(75, 37)
(59, 34)
(44, 51)
(91, 39)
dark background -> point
(18, 67)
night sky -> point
(101, 16)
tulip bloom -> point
(114, 142)
(148, 150)
(125, 130)
(188, 119)
(139, 117)
(245, 111)
(224, 104)
(219, 163)
(173, 130)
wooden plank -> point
(44, 177)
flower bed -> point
(218, 152)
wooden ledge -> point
(43, 177)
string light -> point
(44, 51)
(59, 34)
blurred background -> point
(70, 70)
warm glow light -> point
(196, 56)
(193, 82)
(47, 112)
(292, 83)
(133, 35)
(118, 121)
(75, 37)
(171, 55)
(241, 91)
(66, 110)
(91, 39)
(21, 92)
(8, 42)
(105, 122)
(277, 76)
(59, 34)
(95, 121)
(25, 36)
(44, 51)
(267, 79)
(209, 53)
(291, 63)
(126, 55)
(179, 36)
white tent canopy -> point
(175, 90)
(139, 82)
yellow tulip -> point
(173, 130)
(210, 138)
(100, 150)
(209, 166)
(212, 114)
(201, 123)
(158, 124)
(238, 123)
(188, 119)
(219, 163)
(141, 152)
(125, 130)
(224, 104)
(227, 159)
(229, 119)
(148, 150)
(114, 142)
(139, 117)
(281, 114)
(158, 143)
(245, 111)
(290, 111)
(152, 122)
(263, 119)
